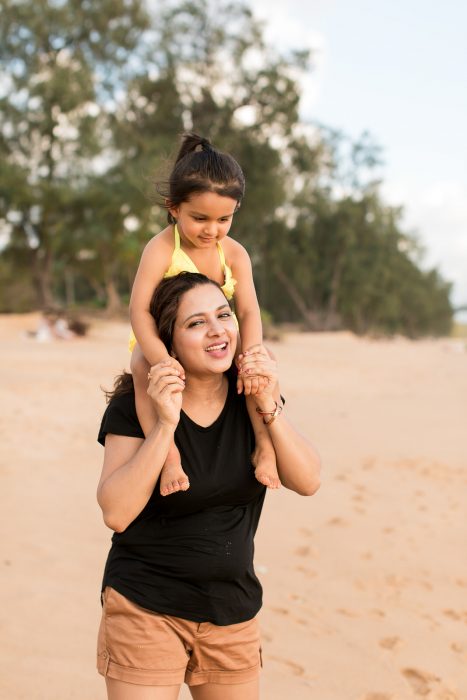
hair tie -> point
(205, 145)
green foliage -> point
(94, 97)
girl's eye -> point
(195, 323)
(225, 314)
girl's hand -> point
(165, 389)
(258, 373)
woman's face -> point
(205, 333)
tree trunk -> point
(43, 276)
(295, 296)
(69, 287)
(114, 303)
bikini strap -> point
(176, 238)
(220, 250)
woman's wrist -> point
(270, 414)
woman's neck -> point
(205, 389)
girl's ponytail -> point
(192, 143)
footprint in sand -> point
(341, 477)
(302, 551)
(347, 613)
(458, 616)
(390, 642)
(377, 696)
(366, 555)
(357, 497)
(421, 682)
(424, 683)
(281, 611)
(306, 531)
(310, 573)
(307, 551)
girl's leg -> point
(173, 478)
(264, 456)
(217, 691)
(118, 690)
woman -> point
(180, 595)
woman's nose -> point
(215, 326)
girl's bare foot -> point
(264, 462)
(173, 479)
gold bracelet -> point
(276, 412)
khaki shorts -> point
(139, 646)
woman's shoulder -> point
(120, 417)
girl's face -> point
(205, 333)
(204, 219)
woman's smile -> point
(218, 350)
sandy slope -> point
(365, 583)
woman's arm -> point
(155, 260)
(131, 465)
(298, 462)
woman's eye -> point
(195, 323)
(226, 314)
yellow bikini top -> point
(181, 262)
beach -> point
(365, 583)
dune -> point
(365, 583)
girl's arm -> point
(131, 465)
(155, 260)
(246, 302)
(298, 462)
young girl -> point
(205, 189)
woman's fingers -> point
(165, 367)
(164, 379)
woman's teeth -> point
(222, 346)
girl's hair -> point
(164, 309)
(199, 167)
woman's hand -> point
(256, 365)
(165, 389)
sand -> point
(365, 582)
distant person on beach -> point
(179, 592)
(53, 325)
(204, 190)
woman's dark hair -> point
(164, 309)
(199, 167)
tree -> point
(62, 62)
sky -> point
(398, 69)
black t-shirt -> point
(190, 554)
